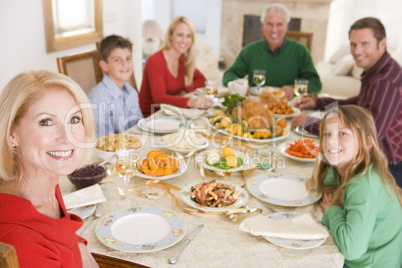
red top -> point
(40, 241)
(160, 86)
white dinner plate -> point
(161, 125)
(292, 243)
(83, 212)
(140, 229)
(185, 196)
(304, 133)
(282, 189)
(247, 163)
(182, 168)
(250, 139)
(282, 149)
(164, 142)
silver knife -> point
(175, 257)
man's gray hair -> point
(275, 7)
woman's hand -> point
(326, 200)
(87, 260)
(202, 102)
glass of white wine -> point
(300, 87)
(211, 89)
(259, 78)
(127, 167)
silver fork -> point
(98, 213)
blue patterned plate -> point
(140, 229)
(292, 243)
(83, 212)
(282, 189)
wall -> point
(343, 13)
(23, 46)
(163, 11)
(314, 15)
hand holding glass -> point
(300, 87)
(259, 78)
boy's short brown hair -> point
(111, 42)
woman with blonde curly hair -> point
(361, 201)
(171, 72)
(47, 127)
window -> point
(71, 23)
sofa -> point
(206, 61)
(340, 76)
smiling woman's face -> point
(48, 136)
(181, 38)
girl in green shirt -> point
(361, 201)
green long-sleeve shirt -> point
(293, 61)
(368, 230)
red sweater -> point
(160, 86)
(40, 241)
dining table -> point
(220, 243)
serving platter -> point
(282, 149)
(182, 168)
(164, 142)
(140, 229)
(278, 138)
(241, 201)
(247, 163)
(282, 189)
(292, 243)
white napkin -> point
(84, 197)
(303, 227)
(173, 110)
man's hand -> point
(298, 121)
(288, 91)
(306, 103)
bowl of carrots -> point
(304, 150)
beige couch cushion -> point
(344, 65)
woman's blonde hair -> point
(361, 122)
(189, 57)
(16, 98)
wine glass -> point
(127, 167)
(211, 89)
(300, 87)
(259, 79)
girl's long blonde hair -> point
(189, 57)
(361, 122)
(16, 98)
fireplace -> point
(310, 16)
(252, 28)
